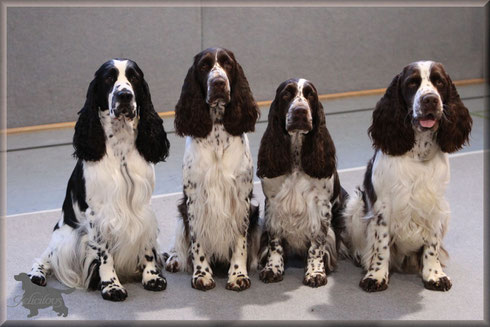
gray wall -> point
(52, 53)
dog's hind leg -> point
(42, 265)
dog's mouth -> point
(124, 111)
(219, 96)
(429, 121)
(302, 127)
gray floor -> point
(37, 180)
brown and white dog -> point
(398, 218)
(215, 111)
(297, 167)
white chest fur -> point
(217, 176)
(119, 189)
(410, 191)
(298, 205)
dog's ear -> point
(318, 151)
(455, 126)
(242, 112)
(192, 116)
(274, 157)
(89, 137)
(151, 142)
(391, 129)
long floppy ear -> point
(89, 137)
(275, 146)
(151, 142)
(192, 115)
(318, 151)
(391, 129)
(456, 123)
(242, 111)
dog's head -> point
(215, 79)
(420, 98)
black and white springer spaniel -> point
(215, 110)
(108, 231)
(297, 167)
(398, 219)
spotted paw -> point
(38, 280)
(172, 264)
(443, 284)
(238, 283)
(315, 279)
(203, 282)
(268, 275)
(114, 292)
(158, 283)
(373, 285)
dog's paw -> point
(315, 279)
(172, 264)
(238, 283)
(203, 282)
(443, 284)
(270, 275)
(373, 285)
(38, 279)
(157, 283)
(114, 292)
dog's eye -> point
(110, 79)
(439, 82)
(204, 67)
(133, 79)
(412, 83)
(286, 95)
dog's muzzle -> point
(123, 104)
(218, 90)
(429, 113)
(299, 119)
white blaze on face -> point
(122, 83)
(216, 71)
(425, 87)
(299, 100)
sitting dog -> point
(215, 110)
(303, 196)
(108, 231)
(398, 219)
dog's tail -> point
(353, 227)
(70, 261)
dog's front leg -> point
(315, 273)
(238, 279)
(202, 276)
(274, 268)
(152, 279)
(433, 276)
(110, 287)
(378, 262)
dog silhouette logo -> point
(37, 297)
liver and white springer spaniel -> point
(399, 217)
(215, 110)
(297, 167)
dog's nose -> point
(218, 83)
(300, 113)
(124, 95)
(430, 100)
